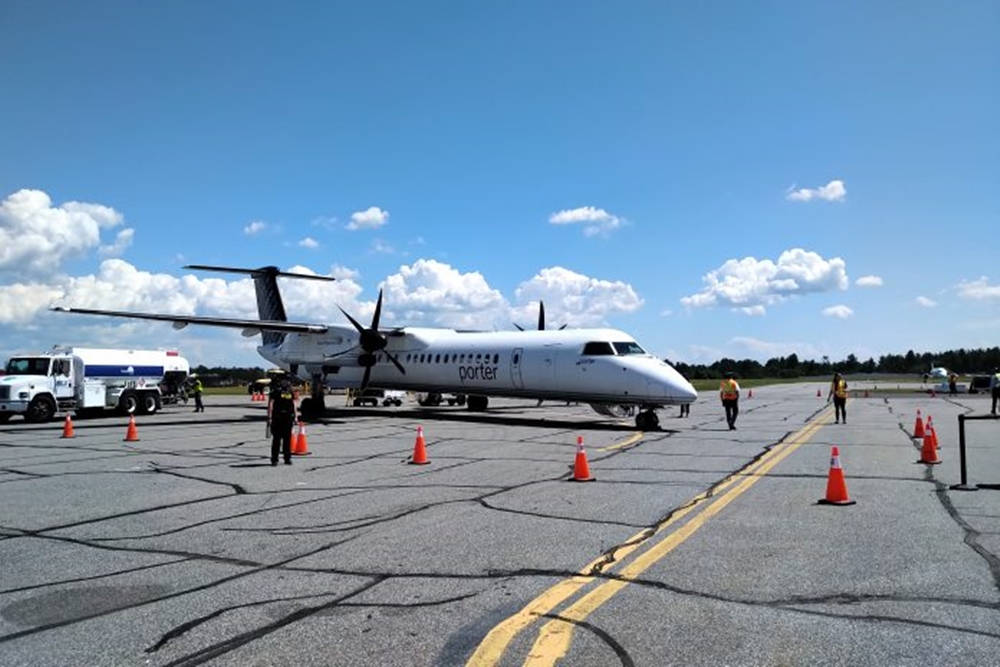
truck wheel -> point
(128, 404)
(148, 403)
(40, 410)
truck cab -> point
(36, 386)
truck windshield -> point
(28, 366)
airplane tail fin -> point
(269, 303)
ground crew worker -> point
(838, 390)
(280, 418)
(729, 392)
(198, 388)
(953, 384)
(995, 389)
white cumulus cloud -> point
(429, 292)
(979, 290)
(595, 220)
(371, 218)
(832, 191)
(925, 302)
(309, 242)
(255, 227)
(753, 311)
(841, 312)
(122, 241)
(572, 298)
(869, 281)
(35, 236)
(752, 284)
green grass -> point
(708, 385)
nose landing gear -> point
(647, 420)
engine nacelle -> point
(616, 410)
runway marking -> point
(554, 638)
(636, 437)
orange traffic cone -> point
(419, 457)
(818, 395)
(68, 428)
(933, 394)
(131, 435)
(750, 393)
(581, 471)
(934, 438)
(928, 453)
(918, 427)
(836, 487)
(300, 445)
(866, 393)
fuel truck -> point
(87, 381)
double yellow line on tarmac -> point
(555, 636)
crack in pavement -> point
(601, 634)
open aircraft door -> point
(516, 358)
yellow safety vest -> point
(727, 389)
(840, 391)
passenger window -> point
(421, 358)
(597, 348)
(516, 358)
(462, 358)
(479, 357)
(496, 358)
(437, 359)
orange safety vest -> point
(840, 391)
(727, 389)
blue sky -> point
(681, 135)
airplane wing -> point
(180, 321)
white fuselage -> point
(589, 365)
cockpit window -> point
(597, 348)
(628, 347)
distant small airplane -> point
(938, 373)
(603, 367)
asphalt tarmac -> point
(696, 545)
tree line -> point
(961, 361)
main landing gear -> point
(647, 420)
(314, 406)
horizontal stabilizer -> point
(264, 270)
(182, 320)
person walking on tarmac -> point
(280, 418)
(953, 384)
(838, 391)
(198, 388)
(995, 389)
(729, 392)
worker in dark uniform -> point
(995, 389)
(838, 391)
(198, 388)
(729, 392)
(953, 384)
(281, 417)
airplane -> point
(938, 372)
(603, 367)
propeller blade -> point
(396, 363)
(366, 378)
(563, 327)
(541, 316)
(519, 327)
(353, 321)
(378, 312)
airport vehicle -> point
(393, 397)
(602, 367)
(979, 383)
(84, 379)
(433, 398)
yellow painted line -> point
(555, 636)
(636, 437)
(491, 649)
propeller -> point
(372, 341)
(541, 319)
